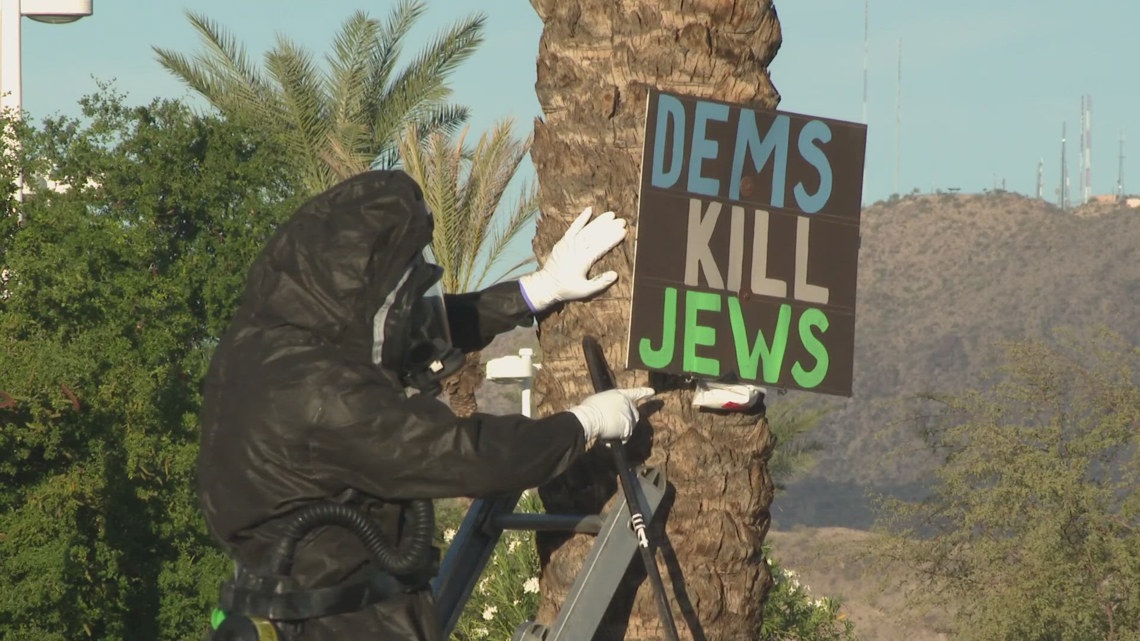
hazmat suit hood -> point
(350, 269)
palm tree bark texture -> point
(596, 62)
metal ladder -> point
(597, 581)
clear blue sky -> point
(986, 83)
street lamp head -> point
(54, 19)
(56, 11)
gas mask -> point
(411, 335)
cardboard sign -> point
(747, 245)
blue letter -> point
(668, 108)
(704, 148)
(815, 130)
(775, 142)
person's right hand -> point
(611, 414)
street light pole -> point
(11, 71)
(10, 82)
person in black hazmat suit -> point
(311, 393)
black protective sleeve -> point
(406, 448)
(476, 318)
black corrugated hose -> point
(410, 556)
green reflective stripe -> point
(216, 618)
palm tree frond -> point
(419, 87)
(494, 163)
(441, 57)
(524, 213)
(305, 105)
(446, 119)
(223, 74)
(464, 187)
(349, 66)
(386, 47)
(347, 116)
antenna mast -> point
(1080, 153)
(1041, 179)
(1120, 171)
(898, 118)
(1064, 189)
(1086, 191)
(866, 52)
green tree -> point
(464, 187)
(340, 121)
(115, 290)
(1032, 527)
(794, 453)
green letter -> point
(698, 335)
(812, 317)
(747, 356)
(660, 358)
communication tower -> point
(898, 118)
(1041, 179)
(1120, 171)
(866, 52)
(1086, 150)
(1063, 192)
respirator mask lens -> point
(431, 356)
(429, 314)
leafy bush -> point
(507, 593)
(794, 613)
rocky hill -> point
(942, 278)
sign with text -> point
(747, 245)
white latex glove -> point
(611, 414)
(563, 277)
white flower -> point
(449, 534)
(512, 546)
(480, 632)
(531, 585)
(489, 612)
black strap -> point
(279, 599)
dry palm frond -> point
(464, 187)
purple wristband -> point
(526, 298)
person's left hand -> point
(563, 277)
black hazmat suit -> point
(295, 410)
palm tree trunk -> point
(596, 61)
(462, 385)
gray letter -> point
(698, 256)
(804, 291)
(761, 284)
